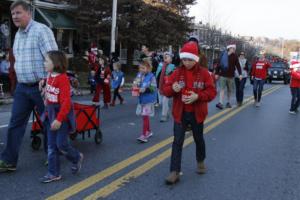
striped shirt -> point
(30, 48)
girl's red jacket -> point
(203, 85)
(260, 69)
(295, 79)
(58, 91)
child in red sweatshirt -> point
(191, 87)
(258, 75)
(295, 88)
(58, 116)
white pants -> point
(164, 101)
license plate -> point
(274, 76)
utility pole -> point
(282, 46)
(113, 27)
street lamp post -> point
(113, 27)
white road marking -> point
(6, 125)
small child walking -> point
(295, 88)
(117, 83)
(59, 117)
(102, 77)
(145, 88)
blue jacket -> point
(170, 68)
(117, 77)
(148, 82)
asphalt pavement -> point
(252, 153)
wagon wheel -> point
(36, 143)
(98, 136)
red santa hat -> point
(295, 64)
(94, 47)
(190, 50)
(231, 46)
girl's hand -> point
(176, 87)
(42, 84)
(55, 125)
(142, 90)
(106, 81)
(191, 98)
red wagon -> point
(87, 120)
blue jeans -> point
(179, 135)
(258, 86)
(58, 143)
(295, 99)
(25, 99)
(239, 89)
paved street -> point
(252, 153)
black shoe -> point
(220, 106)
(228, 105)
(5, 167)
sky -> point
(269, 18)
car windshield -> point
(277, 65)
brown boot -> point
(201, 169)
(172, 178)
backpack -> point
(224, 61)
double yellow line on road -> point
(115, 185)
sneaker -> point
(156, 104)
(257, 104)
(220, 106)
(77, 167)
(292, 112)
(149, 134)
(163, 119)
(201, 168)
(5, 167)
(142, 139)
(172, 178)
(50, 178)
(228, 105)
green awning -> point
(55, 19)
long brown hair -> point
(59, 60)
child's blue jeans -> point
(58, 142)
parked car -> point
(279, 71)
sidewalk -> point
(7, 99)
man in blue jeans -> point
(32, 42)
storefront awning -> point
(55, 19)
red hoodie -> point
(58, 92)
(203, 85)
(295, 79)
(260, 69)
